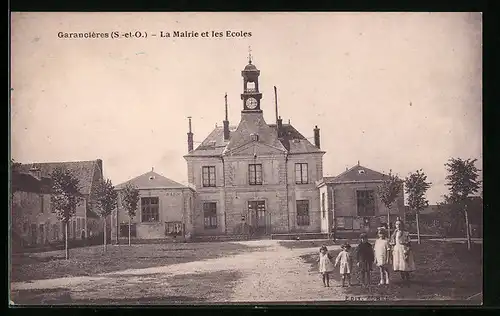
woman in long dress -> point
(402, 254)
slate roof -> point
(28, 183)
(253, 123)
(356, 173)
(214, 144)
(292, 141)
(152, 180)
(83, 170)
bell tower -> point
(251, 96)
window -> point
(150, 209)
(41, 203)
(301, 173)
(366, 202)
(173, 229)
(255, 174)
(208, 176)
(302, 212)
(77, 224)
(255, 137)
(55, 229)
(40, 230)
(124, 230)
(210, 214)
(323, 211)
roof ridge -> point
(344, 172)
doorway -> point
(257, 214)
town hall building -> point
(255, 178)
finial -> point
(288, 121)
(152, 168)
(358, 162)
(249, 55)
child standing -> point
(402, 254)
(345, 261)
(325, 265)
(382, 249)
(364, 257)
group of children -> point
(396, 250)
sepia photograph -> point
(321, 158)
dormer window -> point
(255, 137)
(361, 171)
(296, 140)
(211, 143)
(151, 177)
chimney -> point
(99, 164)
(316, 137)
(190, 136)
(279, 125)
(226, 121)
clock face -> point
(251, 103)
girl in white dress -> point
(402, 254)
(344, 259)
(382, 251)
(325, 265)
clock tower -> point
(251, 96)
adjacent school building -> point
(34, 220)
(164, 209)
(350, 201)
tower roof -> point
(250, 67)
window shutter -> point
(330, 198)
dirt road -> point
(275, 274)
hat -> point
(346, 246)
(323, 247)
(363, 235)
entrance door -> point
(257, 210)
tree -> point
(388, 191)
(64, 198)
(130, 200)
(416, 186)
(462, 181)
(106, 202)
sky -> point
(394, 91)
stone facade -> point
(174, 209)
(343, 206)
(34, 221)
(246, 203)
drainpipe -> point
(286, 185)
(224, 191)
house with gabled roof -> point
(164, 209)
(255, 178)
(33, 217)
(350, 201)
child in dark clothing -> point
(365, 258)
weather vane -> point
(249, 55)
